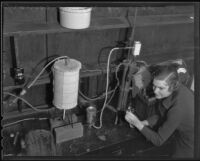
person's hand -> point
(133, 120)
(144, 122)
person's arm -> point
(174, 117)
(144, 122)
(164, 132)
(152, 120)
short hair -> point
(167, 72)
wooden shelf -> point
(12, 29)
(162, 19)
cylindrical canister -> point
(75, 17)
(66, 83)
(91, 115)
(137, 47)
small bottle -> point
(132, 110)
(91, 115)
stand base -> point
(58, 122)
(68, 132)
(65, 130)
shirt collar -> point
(169, 101)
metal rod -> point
(15, 51)
(64, 114)
(131, 38)
(71, 118)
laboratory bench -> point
(110, 141)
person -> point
(175, 113)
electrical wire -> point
(32, 83)
(25, 102)
(36, 78)
(27, 119)
(36, 66)
(88, 70)
(107, 83)
(117, 68)
(94, 99)
(110, 92)
(103, 95)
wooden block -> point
(68, 132)
(56, 122)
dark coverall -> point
(174, 113)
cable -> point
(32, 83)
(88, 70)
(31, 75)
(25, 102)
(36, 66)
(107, 83)
(117, 82)
(6, 125)
(94, 99)
(99, 55)
(103, 95)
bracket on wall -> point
(17, 72)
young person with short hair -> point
(175, 113)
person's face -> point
(161, 89)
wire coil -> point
(65, 83)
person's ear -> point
(173, 86)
